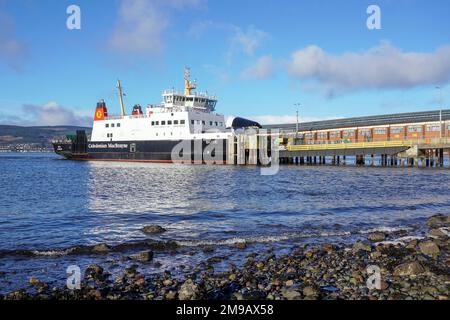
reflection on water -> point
(48, 203)
(56, 203)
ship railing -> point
(113, 117)
(197, 94)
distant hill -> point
(35, 135)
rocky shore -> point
(409, 268)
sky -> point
(264, 59)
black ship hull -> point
(164, 151)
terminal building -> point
(425, 126)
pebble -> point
(418, 270)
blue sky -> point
(259, 57)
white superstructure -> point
(180, 116)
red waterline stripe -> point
(152, 161)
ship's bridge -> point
(199, 101)
(189, 99)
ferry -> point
(184, 128)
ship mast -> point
(122, 109)
(188, 85)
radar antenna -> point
(188, 84)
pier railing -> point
(346, 144)
(350, 145)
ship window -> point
(198, 121)
(397, 130)
(118, 125)
(221, 124)
(157, 123)
(175, 121)
(203, 122)
(112, 125)
(169, 122)
(193, 121)
(163, 123)
(107, 125)
(215, 123)
(182, 122)
(210, 123)
(153, 123)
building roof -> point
(390, 119)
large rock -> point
(38, 284)
(362, 246)
(240, 245)
(429, 248)
(439, 220)
(439, 233)
(94, 271)
(145, 256)
(152, 229)
(100, 248)
(328, 247)
(310, 292)
(188, 291)
(377, 236)
(291, 293)
(409, 269)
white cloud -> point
(262, 69)
(141, 24)
(248, 40)
(282, 119)
(218, 72)
(12, 50)
(53, 114)
(381, 67)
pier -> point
(420, 139)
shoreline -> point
(411, 269)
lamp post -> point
(440, 111)
(297, 105)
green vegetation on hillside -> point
(35, 135)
